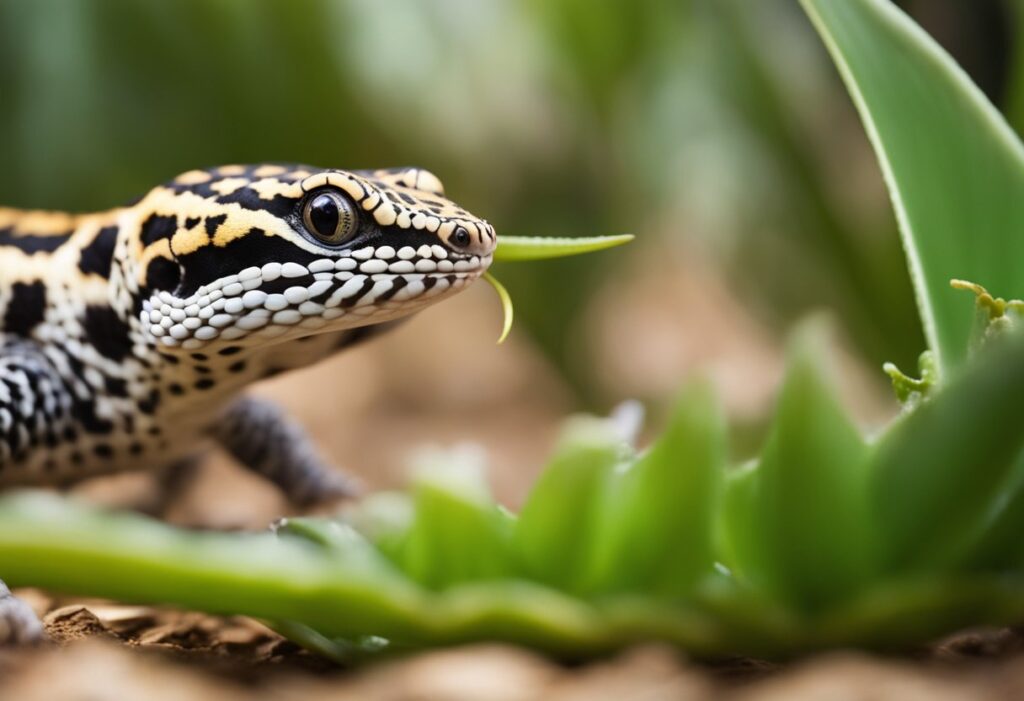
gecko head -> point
(249, 254)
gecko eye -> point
(330, 216)
(460, 237)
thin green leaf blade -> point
(520, 248)
(954, 168)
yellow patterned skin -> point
(128, 334)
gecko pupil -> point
(324, 215)
(330, 216)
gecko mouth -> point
(352, 289)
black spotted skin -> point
(128, 334)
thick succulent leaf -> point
(555, 534)
(940, 474)
(655, 531)
(384, 518)
(901, 614)
(324, 591)
(342, 610)
(955, 170)
(807, 537)
(63, 546)
(736, 525)
(335, 536)
(458, 534)
(999, 546)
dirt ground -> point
(105, 652)
(439, 380)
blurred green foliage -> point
(822, 542)
(696, 124)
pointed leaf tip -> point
(519, 248)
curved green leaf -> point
(954, 168)
(506, 306)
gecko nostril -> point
(460, 237)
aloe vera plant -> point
(828, 538)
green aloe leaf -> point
(335, 536)
(999, 545)
(555, 534)
(737, 520)
(458, 534)
(805, 538)
(314, 584)
(68, 547)
(940, 475)
(955, 170)
(520, 248)
(655, 531)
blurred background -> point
(717, 131)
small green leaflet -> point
(517, 248)
(520, 248)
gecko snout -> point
(473, 239)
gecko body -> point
(128, 336)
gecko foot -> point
(19, 624)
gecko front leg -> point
(264, 440)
